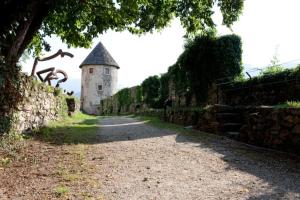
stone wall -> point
(261, 126)
(111, 104)
(273, 128)
(40, 104)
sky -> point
(264, 26)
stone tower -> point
(99, 78)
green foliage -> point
(61, 191)
(289, 104)
(57, 91)
(139, 94)
(286, 74)
(228, 56)
(77, 22)
(205, 59)
(150, 88)
(50, 89)
(274, 67)
(124, 98)
(164, 88)
(293, 104)
(5, 162)
(271, 70)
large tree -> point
(25, 23)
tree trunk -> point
(37, 11)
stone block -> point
(296, 129)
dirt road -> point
(137, 161)
(123, 158)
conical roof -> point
(99, 56)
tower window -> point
(91, 70)
(106, 71)
(100, 87)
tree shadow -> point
(89, 131)
(280, 170)
(116, 129)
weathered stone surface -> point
(38, 107)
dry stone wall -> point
(273, 128)
(111, 105)
(40, 104)
(264, 126)
(261, 126)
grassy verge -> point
(156, 122)
(78, 129)
(60, 154)
(289, 104)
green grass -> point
(289, 104)
(78, 129)
(156, 122)
(5, 162)
(61, 191)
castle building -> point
(99, 78)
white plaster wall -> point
(90, 95)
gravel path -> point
(137, 161)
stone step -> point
(224, 108)
(229, 118)
(233, 135)
(230, 127)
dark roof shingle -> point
(99, 56)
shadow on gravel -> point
(280, 170)
(112, 129)
(125, 129)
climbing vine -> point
(124, 98)
(150, 88)
(204, 60)
(139, 94)
(10, 95)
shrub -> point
(139, 94)
(271, 70)
(269, 78)
(163, 88)
(124, 98)
(150, 88)
(205, 60)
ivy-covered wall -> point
(35, 105)
(127, 100)
(188, 82)
(205, 60)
